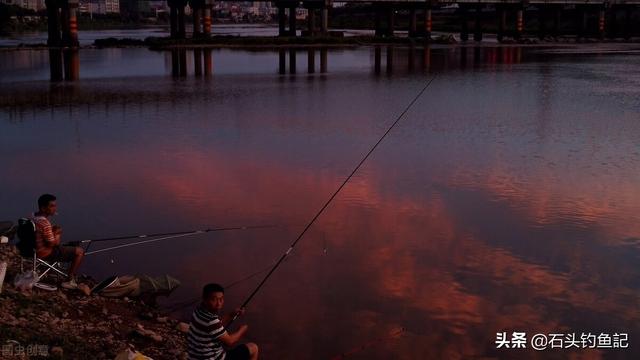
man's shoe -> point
(70, 285)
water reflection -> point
(401, 60)
(64, 62)
(507, 199)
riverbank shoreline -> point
(70, 324)
(275, 42)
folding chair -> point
(42, 267)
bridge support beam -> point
(206, 19)
(557, 19)
(582, 21)
(292, 20)
(176, 14)
(612, 26)
(197, 26)
(543, 12)
(464, 25)
(601, 23)
(378, 20)
(181, 23)
(324, 20)
(311, 21)
(519, 23)
(413, 26)
(428, 24)
(282, 21)
(53, 24)
(69, 23)
(502, 21)
(628, 23)
(477, 32)
(391, 19)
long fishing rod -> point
(141, 236)
(181, 305)
(170, 236)
(326, 204)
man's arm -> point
(230, 339)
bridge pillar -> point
(464, 25)
(557, 19)
(282, 21)
(477, 33)
(428, 25)
(197, 16)
(628, 23)
(173, 20)
(53, 23)
(502, 21)
(324, 21)
(292, 20)
(601, 23)
(377, 20)
(542, 21)
(311, 21)
(181, 23)
(612, 28)
(519, 23)
(206, 18)
(391, 16)
(69, 23)
(582, 21)
(176, 14)
(413, 28)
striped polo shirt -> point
(44, 235)
(204, 330)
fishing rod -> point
(177, 233)
(326, 204)
(181, 305)
(168, 236)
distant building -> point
(36, 5)
(99, 6)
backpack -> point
(27, 237)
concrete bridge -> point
(63, 29)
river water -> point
(506, 199)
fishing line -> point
(326, 204)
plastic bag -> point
(131, 355)
(25, 280)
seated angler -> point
(207, 337)
(48, 245)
